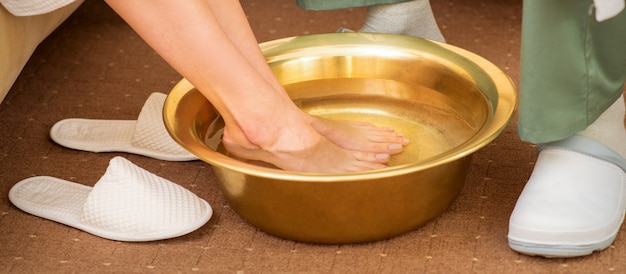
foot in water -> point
(321, 145)
(360, 136)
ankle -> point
(283, 132)
(609, 129)
(413, 18)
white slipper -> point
(145, 136)
(127, 204)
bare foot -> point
(303, 150)
(360, 136)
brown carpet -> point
(95, 66)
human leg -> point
(407, 17)
(193, 39)
(413, 18)
(572, 68)
(570, 105)
(345, 134)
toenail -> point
(395, 146)
(382, 156)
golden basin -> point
(448, 101)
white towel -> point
(33, 7)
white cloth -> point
(33, 7)
(606, 9)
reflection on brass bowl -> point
(448, 101)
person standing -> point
(573, 67)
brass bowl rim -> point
(503, 113)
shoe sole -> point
(559, 251)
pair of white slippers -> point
(128, 203)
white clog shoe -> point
(573, 203)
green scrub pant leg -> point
(572, 68)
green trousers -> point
(572, 67)
(341, 4)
